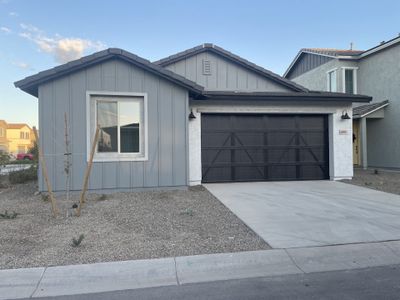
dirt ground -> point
(120, 226)
(384, 180)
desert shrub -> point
(23, 176)
(77, 242)
(8, 216)
(4, 158)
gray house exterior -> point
(376, 73)
(161, 123)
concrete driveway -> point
(312, 213)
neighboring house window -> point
(21, 135)
(122, 120)
(332, 82)
(350, 80)
(1, 132)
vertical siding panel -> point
(78, 128)
(93, 82)
(191, 68)
(165, 116)
(40, 141)
(108, 80)
(137, 168)
(61, 100)
(221, 74)
(251, 82)
(231, 71)
(151, 84)
(179, 137)
(180, 68)
(46, 130)
(123, 83)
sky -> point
(39, 34)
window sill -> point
(120, 158)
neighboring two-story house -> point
(20, 138)
(374, 72)
(3, 137)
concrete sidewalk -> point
(102, 277)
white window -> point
(2, 132)
(332, 81)
(349, 80)
(122, 120)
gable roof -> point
(364, 110)
(332, 52)
(17, 125)
(341, 53)
(30, 84)
(232, 57)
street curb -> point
(134, 274)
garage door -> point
(258, 147)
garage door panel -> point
(253, 147)
(282, 172)
(249, 155)
(216, 156)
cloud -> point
(6, 30)
(61, 48)
(22, 65)
(13, 14)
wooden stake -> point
(54, 207)
(87, 173)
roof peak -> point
(232, 57)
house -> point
(202, 115)
(20, 138)
(3, 137)
(374, 72)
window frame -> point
(91, 119)
(328, 82)
(354, 79)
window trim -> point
(112, 156)
(354, 79)
(328, 79)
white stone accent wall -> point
(340, 132)
(195, 149)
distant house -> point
(3, 137)
(374, 72)
(20, 138)
(201, 115)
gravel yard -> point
(384, 180)
(120, 226)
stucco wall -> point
(316, 79)
(379, 77)
(340, 139)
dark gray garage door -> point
(258, 147)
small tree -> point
(34, 151)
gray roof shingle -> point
(30, 84)
(363, 110)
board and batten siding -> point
(225, 75)
(306, 63)
(167, 129)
